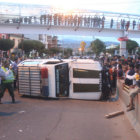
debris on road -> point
(20, 131)
(20, 112)
(114, 114)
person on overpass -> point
(134, 24)
(111, 23)
(127, 25)
(103, 21)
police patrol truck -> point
(78, 79)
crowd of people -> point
(120, 68)
(77, 21)
(8, 76)
(114, 68)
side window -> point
(83, 73)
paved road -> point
(39, 119)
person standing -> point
(15, 71)
(103, 21)
(130, 72)
(111, 23)
(120, 72)
(106, 83)
(134, 24)
(2, 77)
(7, 83)
(127, 25)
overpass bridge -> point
(16, 28)
(33, 19)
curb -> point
(134, 122)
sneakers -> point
(130, 108)
(128, 105)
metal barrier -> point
(46, 15)
(78, 21)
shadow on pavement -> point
(40, 98)
(4, 114)
(9, 102)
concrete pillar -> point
(123, 48)
(123, 45)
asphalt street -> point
(64, 119)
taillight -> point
(44, 73)
(44, 81)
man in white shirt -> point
(135, 88)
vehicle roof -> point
(40, 61)
(87, 64)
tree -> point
(82, 45)
(97, 46)
(89, 51)
(112, 50)
(131, 45)
(6, 44)
(68, 52)
(54, 50)
(29, 45)
(39, 47)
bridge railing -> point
(73, 20)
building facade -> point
(4, 36)
(49, 41)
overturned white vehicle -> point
(78, 79)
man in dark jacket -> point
(130, 72)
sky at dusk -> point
(121, 6)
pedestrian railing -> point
(73, 20)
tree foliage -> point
(29, 45)
(82, 45)
(131, 45)
(54, 50)
(138, 52)
(68, 52)
(6, 44)
(97, 46)
(39, 47)
(112, 50)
